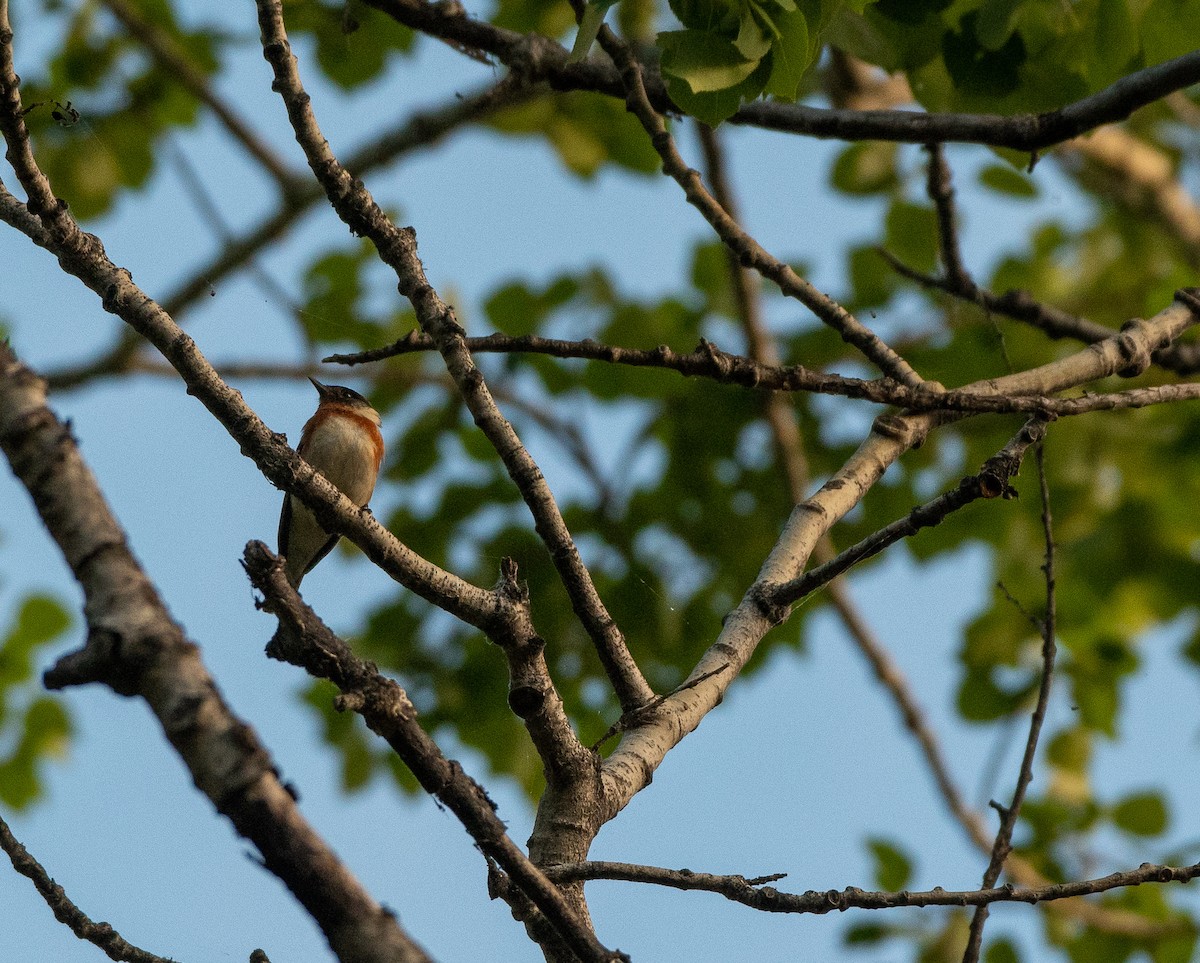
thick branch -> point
(135, 648)
(304, 640)
(643, 747)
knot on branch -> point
(765, 599)
(526, 700)
(1191, 298)
(891, 426)
(1135, 353)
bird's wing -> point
(325, 550)
(285, 524)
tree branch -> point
(540, 58)
(644, 746)
(66, 912)
(135, 648)
(82, 255)
(397, 248)
(304, 640)
(940, 188)
(991, 482)
(749, 252)
(1008, 814)
(752, 892)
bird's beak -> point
(322, 390)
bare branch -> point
(752, 892)
(65, 911)
(1008, 814)
(940, 188)
(540, 58)
(991, 482)
(82, 255)
(397, 248)
(134, 647)
(749, 251)
(1053, 322)
(643, 747)
(304, 640)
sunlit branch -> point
(631, 765)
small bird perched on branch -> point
(343, 442)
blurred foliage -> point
(672, 486)
(33, 727)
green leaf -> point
(869, 934)
(1142, 814)
(705, 62)
(893, 868)
(975, 68)
(351, 51)
(868, 167)
(789, 55)
(1005, 180)
(45, 731)
(711, 16)
(1001, 951)
(712, 108)
(910, 234)
(587, 132)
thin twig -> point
(751, 892)
(1008, 814)
(748, 250)
(1053, 322)
(709, 361)
(65, 911)
(940, 188)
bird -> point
(343, 442)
